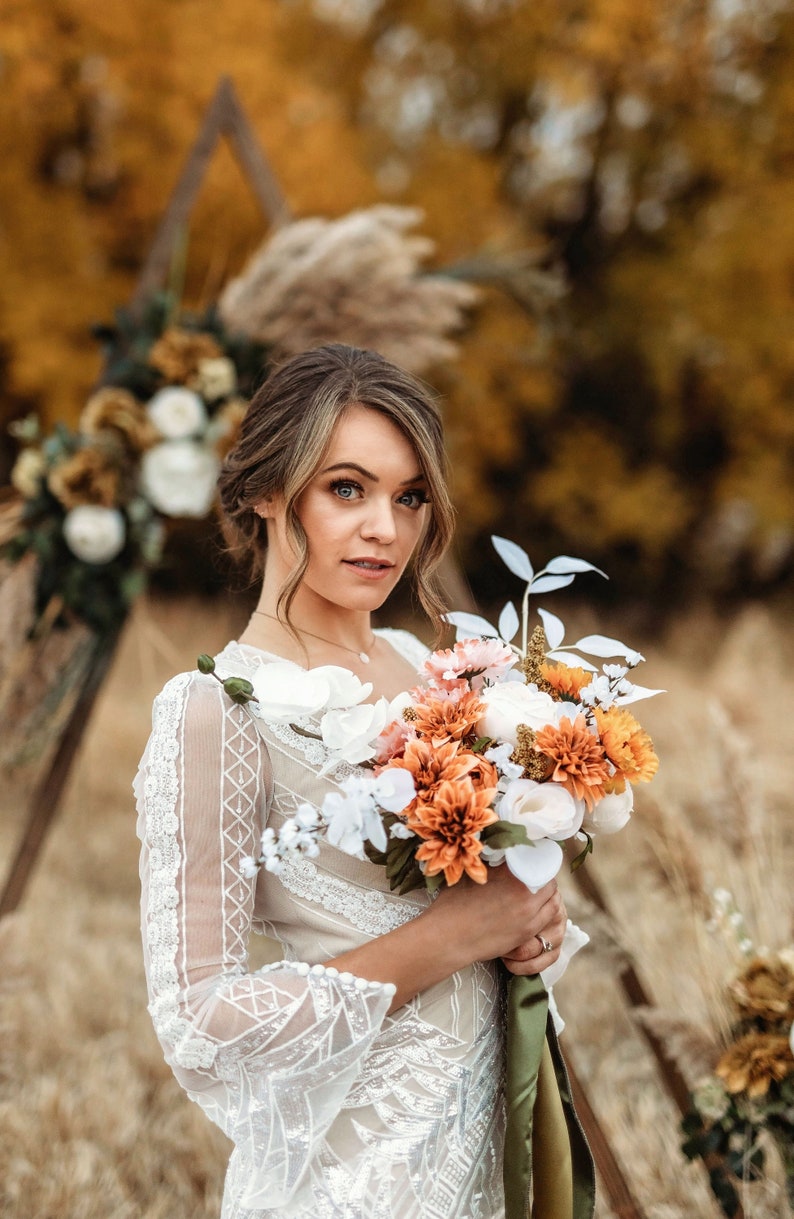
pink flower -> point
(473, 661)
(392, 741)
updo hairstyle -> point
(286, 432)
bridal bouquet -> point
(502, 753)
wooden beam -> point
(223, 117)
(47, 793)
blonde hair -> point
(286, 432)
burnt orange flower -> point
(449, 826)
(116, 411)
(579, 761)
(564, 679)
(754, 1061)
(178, 353)
(447, 719)
(87, 477)
(627, 745)
(764, 990)
(430, 766)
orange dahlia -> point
(579, 761)
(430, 766)
(447, 719)
(449, 826)
(564, 679)
(627, 745)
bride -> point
(360, 1077)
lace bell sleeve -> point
(270, 1055)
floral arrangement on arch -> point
(147, 447)
(96, 500)
(745, 1102)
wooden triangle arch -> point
(225, 117)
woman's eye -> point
(345, 490)
(413, 499)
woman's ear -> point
(264, 508)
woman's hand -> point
(502, 918)
(466, 923)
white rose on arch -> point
(177, 412)
(215, 378)
(94, 534)
(178, 477)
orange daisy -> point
(579, 761)
(627, 745)
(449, 826)
(447, 719)
(564, 679)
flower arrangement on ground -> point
(747, 1101)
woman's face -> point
(363, 514)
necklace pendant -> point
(363, 658)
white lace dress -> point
(334, 1108)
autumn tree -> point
(644, 150)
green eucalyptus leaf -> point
(500, 835)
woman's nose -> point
(379, 523)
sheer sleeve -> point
(270, 1055)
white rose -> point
(511, 703)
(177, 412)
(349, 732)
(286, 692)
(345, 689)
(94, 534)
(546, 810)
(178, 477)
(610, 813)
(216, 378)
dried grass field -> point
(92, 1125)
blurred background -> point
(624, 169)
(615, 179)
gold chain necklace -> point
(362, 656)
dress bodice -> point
(335, 1108)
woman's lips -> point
(370, 569)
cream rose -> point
(611, 813)
(93, 533)
(510, 703)
(177, 412)
(178, 477)
(29, 469)
(215, 378)
(546, 810)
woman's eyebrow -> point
(353, 465)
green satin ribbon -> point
(545, 1149)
